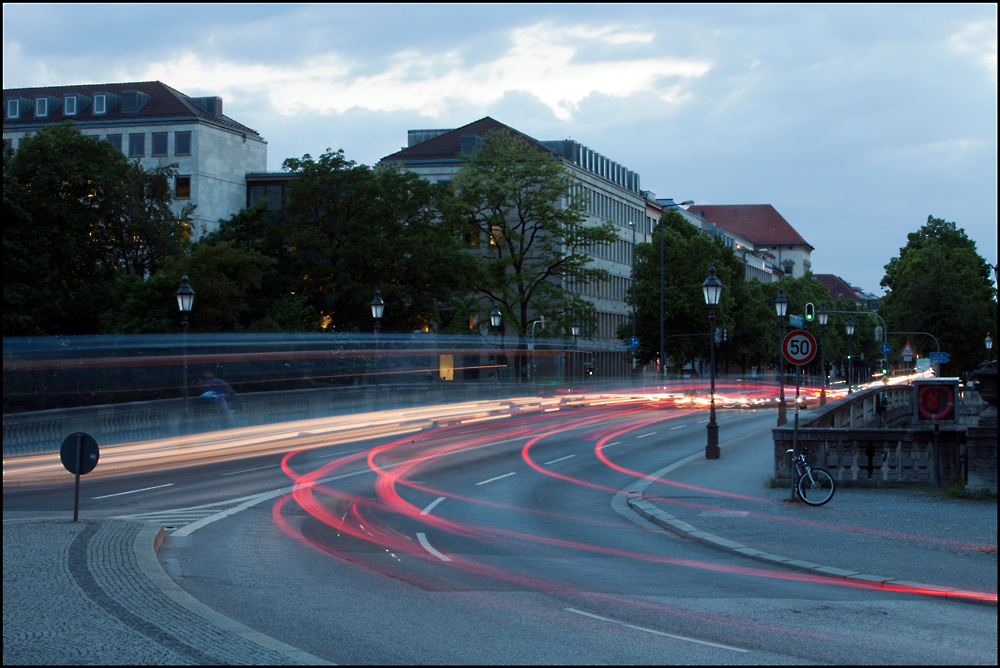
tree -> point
(940, 284)
(78, 214)
(356, 230)
(517, 200)
(688, 254)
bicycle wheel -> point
(817, 491)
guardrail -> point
(860, 446)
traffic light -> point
(588, 367)
(810, 312)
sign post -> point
(79, 454)
(799, 348)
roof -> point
(839, 288)
(760, 224)
(162, 102)
(448, 145)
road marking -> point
(427, 546)
(347, 452)
(428, 509)
(558, 460)
(680, 427)
(702, 421)
(608, 445)
(497, 478)
(145, 489)
(654, 631)
(645, 435)
(259, 468)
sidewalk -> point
(93, 592)
(900, 537)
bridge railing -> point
(860, 446)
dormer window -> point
(100, 103)
(13, 108)
(41, 107)
(69, 105)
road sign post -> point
(79, 454)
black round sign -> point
(89, 453)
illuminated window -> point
(183, 187)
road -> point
(505, 540)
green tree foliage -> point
(688, 254)
(518, 201)
(80, 214)
(356, 230)
(940, 284)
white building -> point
(613, 193)
(156, 125)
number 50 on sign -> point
(799, 347)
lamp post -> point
(378, 307)
(850, 360)
(824, 317)
(781, 308)
(989, 347)
(712, 289)
(185, 302)
(663, 355)
(631, 351)
(575, 330)
(495, 317)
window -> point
(13, 108)
(182, 143)
(100, 103)
(159, 143)
(137, 146)
(41, 107)
(183, 187)
(69, 105)
(116, 141)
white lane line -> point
(497, 478)
(645, 435)
(680, 427)
(558, 460)
(427, 546)
(608, 445)
(428, 509)
(145, 489)
(659, 633)
(346, 452)
(702, 421)
(259, 468)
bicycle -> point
(815, 486)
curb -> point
(147, 546)
(667, 521)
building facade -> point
(767, 232)
(158, 126)
(611, 190)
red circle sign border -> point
(788, 338)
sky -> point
(856, 122)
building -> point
(613, 194)
(766, 230)
(841, 289)
(156, 125)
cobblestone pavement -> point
(92, 592)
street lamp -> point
(712, 288)
(781, 308)
(185, 302)
(378, 307)
(989, 346)
(824, 317)
(632, 350)
(495, 317)
(850, 361)
(575, 330)
(663, 356)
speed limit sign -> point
(799, 347)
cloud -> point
(540, 61)
(980, 40)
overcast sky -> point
(855, 121)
